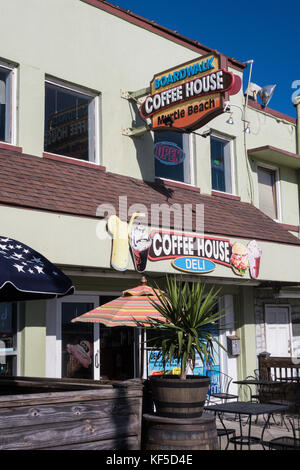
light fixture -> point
(266, 93)
(227, 109)
(230, 119)
(248, 130)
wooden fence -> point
(65, 414)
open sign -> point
(168, 153)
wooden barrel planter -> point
(175, 398)
(180, 434)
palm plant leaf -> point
(191, 322)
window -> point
(8, 339)
(267, 191)
(172, 156)
(221, 164)
(7, 107)
(70, 122)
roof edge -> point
(275, 149)
(156, 28)
(272, 112)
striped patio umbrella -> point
(131, 308)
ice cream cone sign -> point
(120, 244)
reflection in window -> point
(220, 165)
(77, 342)
(69, 123)
(8, 338)
(5, 107)
(177, 144)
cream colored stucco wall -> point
(32, 339)
(83, 45)
(75, 42)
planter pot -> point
(175, 398)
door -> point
(278, 330)
(79, 342)
(117, 353)
(73, 349)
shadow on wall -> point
(144, 146)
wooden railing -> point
(278, 368)
(286, 372)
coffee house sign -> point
(200, 254)
(190, 94)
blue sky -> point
(265, 31)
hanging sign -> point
(189, 95)
(200, 254)
(168, 153)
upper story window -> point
(268, 191)
(7, 103)
(221, 164)
(70, 122)
(172, 156)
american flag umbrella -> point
(130, 309)
(25, 274)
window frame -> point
(229, 173)
(94, 147)
(274, 169)
(13, 102)
(188, 164)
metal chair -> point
(219, 387)
(254, 395)
(288, 442)
(225, 432)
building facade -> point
(74, 147)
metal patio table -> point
(249, 409)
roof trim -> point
(274, 149)
(153, 27)
(272, 112)
(276, 156)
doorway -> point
(278, 330)
(87, 350)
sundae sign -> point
(190, 94)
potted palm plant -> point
(191, 314)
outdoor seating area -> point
(269, 417)
(276, 435)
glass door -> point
(78, 358)
(73, 352)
